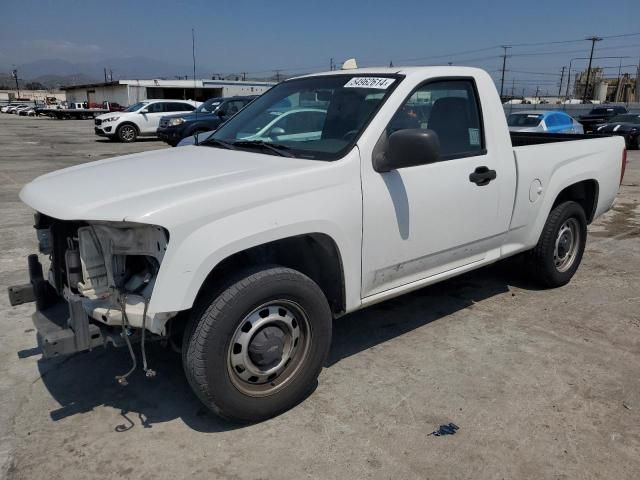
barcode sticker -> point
(370, 82)
(474, 136)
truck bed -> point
(521, 139)
(546, 164)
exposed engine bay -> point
(111, 266)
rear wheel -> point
(259, 346)
(127, 133)
(556, 257)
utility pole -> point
(504, 65)
(561, 79)
(331, 65)
(110, 75)
(277, 75)
(390, 63)
(14, 74)
(638, 82)
(536, 96)
(586, 87)
(105, 74)
(513, 87)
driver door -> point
(428, 219)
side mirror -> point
(408, 148)
(275, 131)
(143, 111)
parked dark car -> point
(600, 115)
(626, 125)
(205, 118)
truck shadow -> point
(86, 381)
(381, 322)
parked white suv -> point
(140, 119)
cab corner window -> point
(450, 109)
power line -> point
(472, 60)
(534, 73)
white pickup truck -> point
(246, 249)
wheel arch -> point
(584, 192)
(314, 254)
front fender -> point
(334, 210)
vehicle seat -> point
(450, 120)
(343, 114)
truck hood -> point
(140, 187)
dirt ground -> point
(542, 383)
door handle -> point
(482, 176)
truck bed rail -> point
(521, 139)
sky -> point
(301, 36)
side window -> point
(233, 107)
(565, 120)
(450, 108)
(179, 107)
(158, 107)
(552, 120)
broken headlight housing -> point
(110, 265)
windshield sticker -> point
(474, 136)
(370, 82)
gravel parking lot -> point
(542, 383)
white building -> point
(128, 92)
(39, 96)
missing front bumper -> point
(55, 335)
(63, 327)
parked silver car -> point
(550, 121)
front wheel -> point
(260, 344)
(556, 257)
(127, 133)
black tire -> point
(127, 133)
(541, 260)
(210, 338)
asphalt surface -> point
(542, 383)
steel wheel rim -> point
(256, 380)
(566, 245)
(127, 133)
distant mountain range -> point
(54, 73)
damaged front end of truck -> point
(98, 285)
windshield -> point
(626, 119)
(524, 120)
(135, 107)
(209, 106)
(314, 117)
